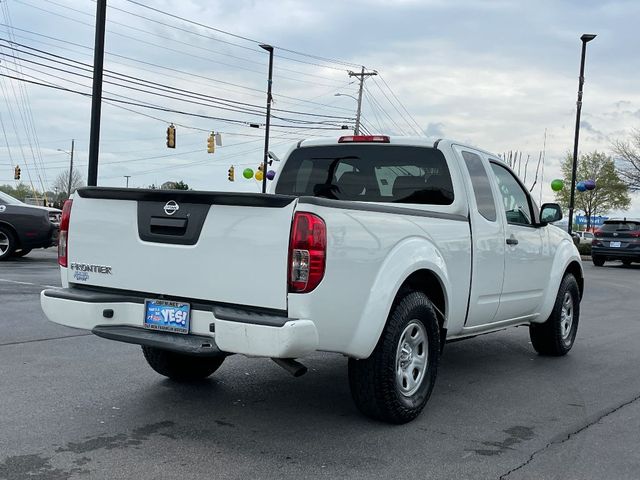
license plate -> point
(614, 244)
(167, 316)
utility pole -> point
(96, 95)
(362, 76)
(269, 49)
(71, 169)
(127, 177)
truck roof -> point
(395, 140)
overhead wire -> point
(191, 75)
(189, 95)
(167, 48)
(401, 104)
(208, 27)
(402, 116)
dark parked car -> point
(617, 240)
(25, 227)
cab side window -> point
(514, 197)
(481, 185)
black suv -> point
(617, 240)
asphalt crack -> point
(45, 339)
(568, 435)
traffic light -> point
(231, 174)
(211, 143)
(171, 136)
(16, 173)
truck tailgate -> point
(222, 247)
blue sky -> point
(492, 73)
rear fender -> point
(410, 255)
(565, 255)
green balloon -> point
(557, 185)
(247, 173)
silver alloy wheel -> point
(566, 316)
(4, 243)
(411, 358)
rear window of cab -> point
(371, 173)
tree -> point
(611, 193)
(20, 191)
(61, 183)
(174, 186)
(628, 153)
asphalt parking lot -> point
(77, 406)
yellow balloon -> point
(259, 175)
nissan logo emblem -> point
(171, 207)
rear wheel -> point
(181, 367)
(395, 382)
(597, 260)
(22, 252)
(7, 243)
(555, 337)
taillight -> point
(307, 252)
(636, 234)
(364, 139)
(63, 239)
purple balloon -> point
(590, 184)
(581, 187)
(271, 175)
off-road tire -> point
(9, 243)
(597, 260)
(373, 381)
(179, 367)
(552, 337)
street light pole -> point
(127, 177)
(269, 49)
(587, 37)
(71, 169)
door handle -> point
(512, 240)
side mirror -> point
(550, 212)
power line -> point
(164, 47)
(401, 104)
(164, 109)
(191, 75)
(188, 96)
(396, 108)
(208, 27)
(192, 32)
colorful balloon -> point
(271, 174)
(590, 184)
(581, 187)
(557, 185)
(259, 176)
(247, 173)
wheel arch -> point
(575, 269)
(567, 260)
(415, 264)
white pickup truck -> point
(376, 248)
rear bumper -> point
(616, 253)
(215, 330)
